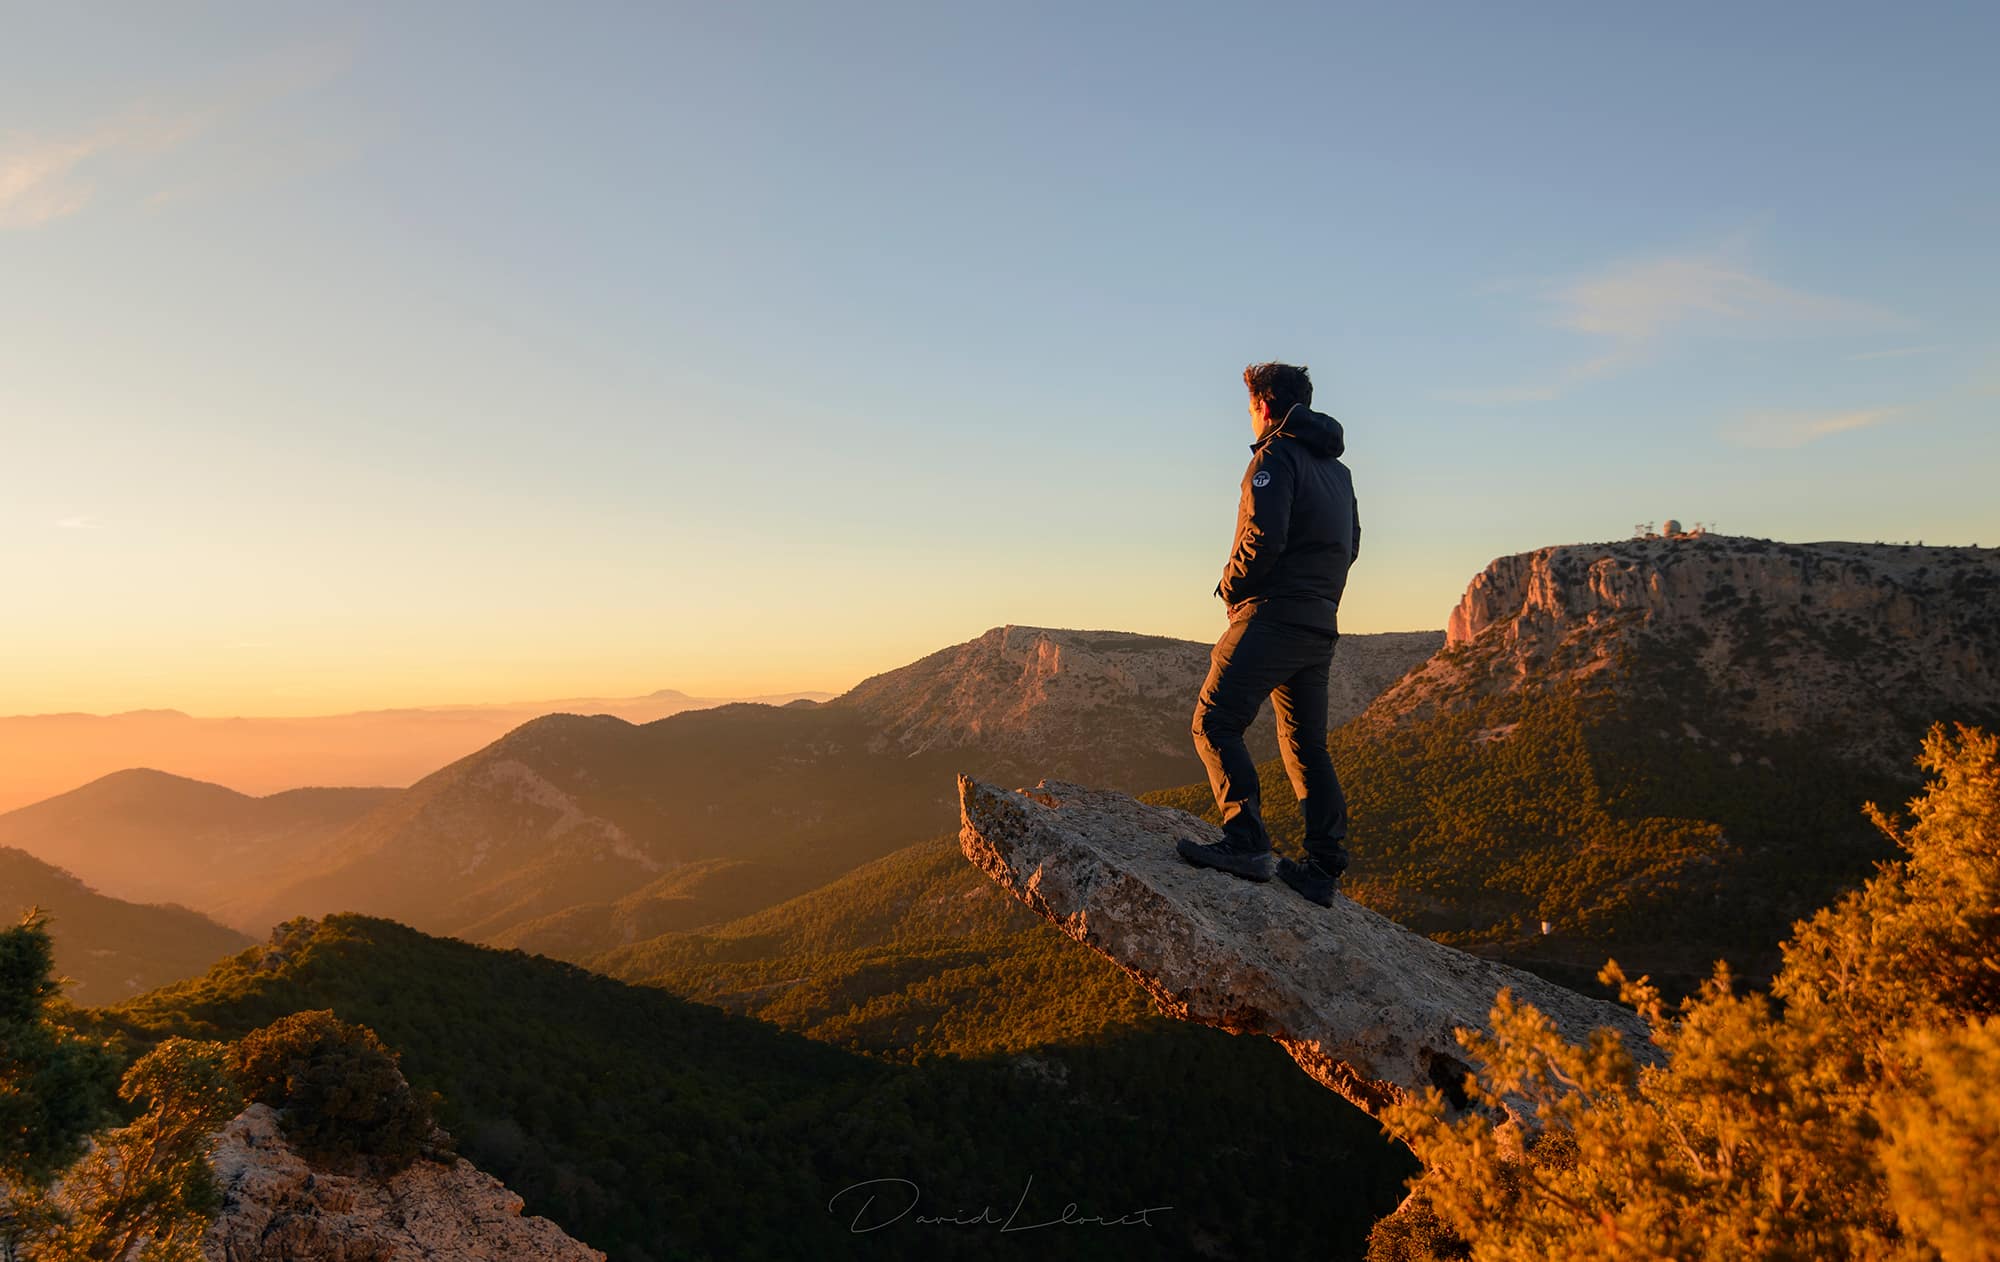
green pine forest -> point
(1630, 838)
(655, 1127)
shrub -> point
(338, 1090)
(1859, 1119)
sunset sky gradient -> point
(402, 354)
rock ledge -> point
(1365, 1006)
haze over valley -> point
(259, 756)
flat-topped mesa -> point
(1365, 1006)
(1891, 589)
(1857, 648)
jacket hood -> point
(1320, 433)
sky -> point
(372, 355)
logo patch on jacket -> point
(1261, 478)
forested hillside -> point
(653, 1127)
(914, 954)
(1478, 824)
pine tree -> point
(55, 1085)
(147, 1186)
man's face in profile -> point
(1260, 416)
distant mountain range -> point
(1656, 746)
(49, 753)
(585, 832)
(106, 947)
(148, 836)
(575, 818)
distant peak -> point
(148, 776)
(147, 785)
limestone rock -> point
(277, 1208)
(1043, 692)
(1861, 645)
(1365, 1006)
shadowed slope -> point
(107, 948)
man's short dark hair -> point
(1280, 386)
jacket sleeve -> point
(1355, 552)
(1263, 519)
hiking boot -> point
(1229, 856)
(1314, 883)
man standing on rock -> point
(1297, 530)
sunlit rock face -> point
(1058, 693)
(1864, 643)
(277, 1208)
(1365, 1006)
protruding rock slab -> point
(1364, 1005)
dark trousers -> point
(1254, 659)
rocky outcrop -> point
(1033, 689)
(1862, 644)
(1898, 590)
(277, 1208)
(1366, 1007)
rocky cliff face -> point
(1037, 689)
(1868, 643)
(1366, 1007)
(277, 1208)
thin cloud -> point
(50, 176)
(82, 521)
(1632, 308)
(1635, 304)
(1796, 429)
(42, 179)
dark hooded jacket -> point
(1297, 526)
